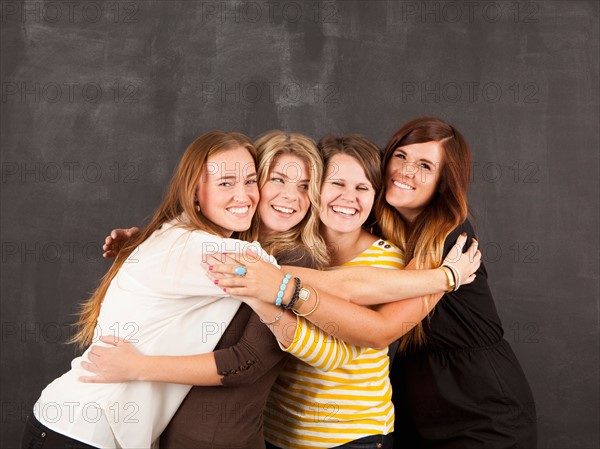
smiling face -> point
(412, 175)
(346, 195)
(227, 191)
(284, 200)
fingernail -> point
(464, 234)
(216, 281)
(210, 268)
(224, 289)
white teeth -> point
(238, 210)
(344, 210)
(285, 210)
(403, 186)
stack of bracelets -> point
(302, 295)
(299, 297)
(453, 276)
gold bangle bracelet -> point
(450, 277)
(317, 299)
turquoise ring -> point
(240, 270)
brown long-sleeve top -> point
(231, 416)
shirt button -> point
(380, 242)
(43, 435)
(387, 246)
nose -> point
(240, 195)
(348, 194)
(290, 192)
(409, 169)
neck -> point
(345, 246)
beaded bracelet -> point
(295, 295)
(282, 288)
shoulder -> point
(381, 254)
(466, 227)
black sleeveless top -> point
(465, 388)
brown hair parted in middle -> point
(358, 147)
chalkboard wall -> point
(100, 99)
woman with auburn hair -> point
(154, 292)
(456, 381)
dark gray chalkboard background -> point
(99, 100)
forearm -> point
(366, 327)
(369, 286)
(284, 328)
(198, 369)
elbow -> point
(379, 342)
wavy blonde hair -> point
(423, 239)
(270, 146)
(179, 199)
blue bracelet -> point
(282, 287)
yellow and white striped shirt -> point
(332, 393)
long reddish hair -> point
(178, 200)
(423, 239)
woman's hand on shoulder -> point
(115, 241)
(467, 263)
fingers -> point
(461, 240)
(223, 268)
(90, 379)
(111, 340)
(92, 368)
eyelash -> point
(363, 188)
(403, 157)
(228, 184)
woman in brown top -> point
(247, 359)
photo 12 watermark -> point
(467, 11)
(80, 172)
(69, 92)
(253, 92)
(470, 92)
(86, 12)
(248, 12)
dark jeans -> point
(38, 436)
(369, 442)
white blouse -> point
(161, 301)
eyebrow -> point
(227, 177)
(283, 175)
(421, 159)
